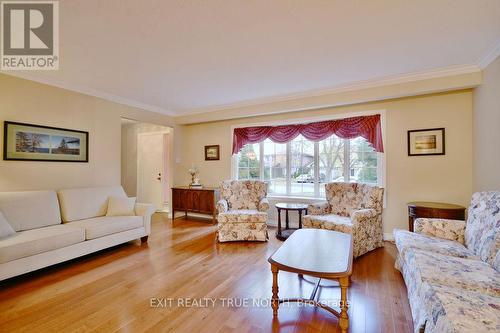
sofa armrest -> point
(442, 228)
(263, 205)
(318, 208)
(145, 210)
(362, 215)
(222, 206)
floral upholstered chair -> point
(242, 211)
(351, 208)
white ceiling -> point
(180, 57)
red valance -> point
(367, 127)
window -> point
(300, 168)
(249, 162)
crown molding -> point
(366, 84)
(490, 56)
(92, 92)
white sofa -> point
(54, 227)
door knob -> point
(159, 176)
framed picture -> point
(28, 142)
(426, 142)
(212, 153)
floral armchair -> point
(350, 208)
(242, 211)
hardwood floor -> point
(113, 290)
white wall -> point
(487, 130)
(29, 102)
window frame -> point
(381, 161)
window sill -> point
(295, 198)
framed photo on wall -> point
(28, 142)
(426, 142)
(212, 153)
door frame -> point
(165, 176)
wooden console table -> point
(195, 200)
(439, 210)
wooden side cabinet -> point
(193, 200)
(439, 210)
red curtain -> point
(367, 127)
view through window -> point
(301, 167)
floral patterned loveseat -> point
(242, 211)
(452, 269)
(350, 208)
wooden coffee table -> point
(323, 254)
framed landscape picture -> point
(212, 153)
(28, 142)
(426, 142)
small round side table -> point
(283, 234)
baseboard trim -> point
(388, 236)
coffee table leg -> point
(344, 318)
(275, 300)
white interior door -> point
(151, 168)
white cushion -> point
(5, 228)
(120, 206)
(31, 242)
(30, 210)
(86, 203)
(103, 226)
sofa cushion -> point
(5, 228)
(329, 222)
(30, 210)
(103, 226)
(409, 240)
(452, 310)
(465, 274)
(482, 233)
(242, 216)
(35, 241)
(121, 206)
(86, 203)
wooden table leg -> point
(287, 220)
(275, 300)
(279, 222)
(344, 318)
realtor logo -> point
(30, 35)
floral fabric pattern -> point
(482, 234)
(228, 232)
(405, 240)
(464, 274)
(321, 208)
(242, 211)
(350, 208)
(222, 206)
(243, 194)
(239, 216)
(452, 287)
(451, 310)
(263, 205)
(447, 229)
